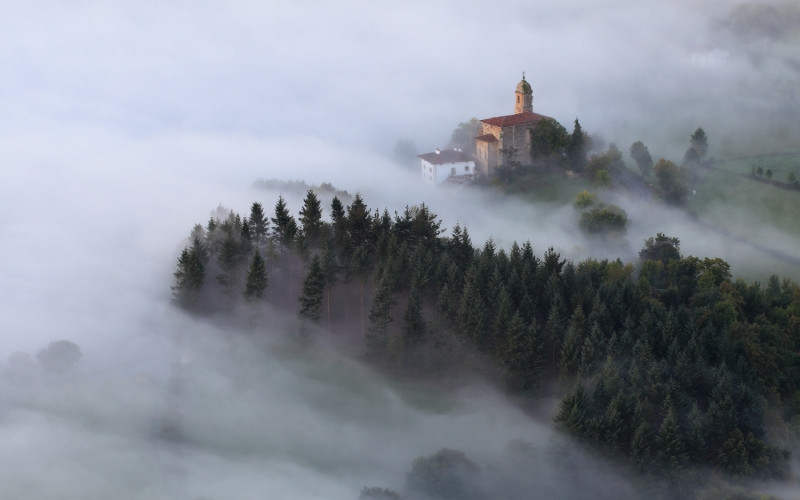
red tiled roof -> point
(515, 119)
(445, 156)
(486, 137)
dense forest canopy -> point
(665, 364)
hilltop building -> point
(507, 139)
(449, 165)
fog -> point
(126, 123)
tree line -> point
(666, 363)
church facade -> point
(507, 139)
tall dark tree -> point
(285, 227)
(330, 269)
(358, 222)
(361, 269)
(380, 315)
(672, 180)
(699, 143)
(548, 139)
(414, 325)
(256, 281)
(189, 278)
(311, 219)
(576, 149)
(641, 156)
(523, 357)
(227, 261)
(661, 247)
(313, 289)
(259, 225)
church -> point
(507, 139)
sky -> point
(124, 123)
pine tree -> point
(311, 218)
(189, 278)
(259, 225)
(227, 261)
(358, 222)
(413, 322)
(361, 268)
(523, 357)
(330, 269)
(572, 410)
(256, 281)
(380, 315)
(285, 225)
(640, 447)
(472, 309)
(671, 449)
(313, 289)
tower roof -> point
(523, 87)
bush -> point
(604, 220)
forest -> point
(665, 364)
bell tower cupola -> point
(523, 97)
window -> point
(453, 171)
(466, 168)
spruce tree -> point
(311, 218)
(358, 222)
(256, 281)
(330, 269)
(472, 312)
(284, 224)
(361, 268)
(413, 322)
(259, 225)
(671, 449)
(227, 261)
(523, 356)
(313, 289)
(189, 278)
(380, 315)
(641, 450)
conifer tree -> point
(380, 315)
(640, 447)
(285, 225)
(358, 222)
(311, 218)
(227, 261)
(313, 288)
(361, 268)
(199, 248)
(472, 310)
(256, 281)
(414, 325)
(523, 357)
(671, 449)
(576, 148)
(259, 225)
(189, 278)
(330, 268)
(572, 410)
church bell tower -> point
(524, 97)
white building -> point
(449, 165)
